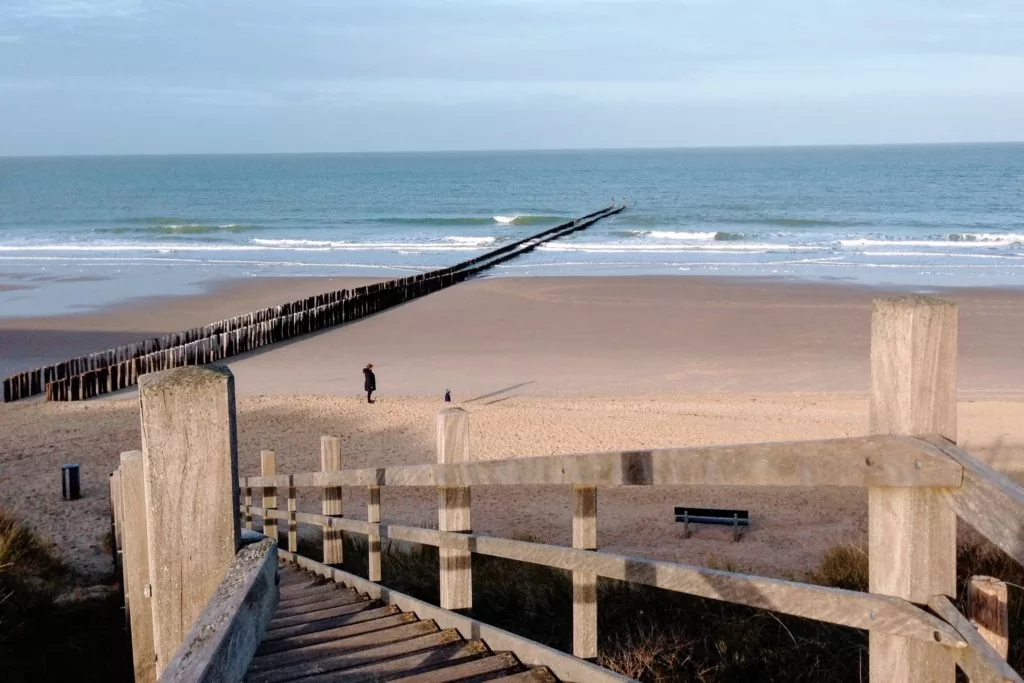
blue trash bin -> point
(70, 487)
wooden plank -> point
(330, 461)
(268, 467)
(136, 566)
(911, 532)
(531, 676)
(979, 660)
(453, 513)
(190, 461)
(317, 615)
(384, 669)
(373, 565)
(330, 634)
(878, 461)
(989, 501)
(221, 643)
(565, 666)
(359, 641)
(343, 597)
(584, 584)
(371, 610)
(117, 518)
(987, 602)
(503, 662)
(293, 527)
(349, 659)
(312, 595)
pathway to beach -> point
(546, 366)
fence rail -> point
(905, 467)
(108, 371)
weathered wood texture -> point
(565, 666)
(293, 526)
(136, 566)
(584, 584)
(912, 532)
(190, 461)
(987, 605)
(330, 461)
(868, 461)
(268, 467)
(454, 510)
(989, 501)
(116, 518)
(373, 566)
(221, 644)
(979, 660)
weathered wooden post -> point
(268, 468)
(453, 510)
(190, 461)
(911, 531)
(584, 585)
(988, 610)
(330, 461)
(135, 568)
(293, 524)
(116, 518)
(373, 567)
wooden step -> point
(356, 642)
(541, 675)
(348, 660)
(315, 615)
(330, 634)
(427, 660)
(503, 662)
(310, 595)
(336, 599)
(370, 612)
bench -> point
(722, 517)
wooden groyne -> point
(108, 371)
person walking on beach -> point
(369, 382)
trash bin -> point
(69, 484)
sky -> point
(228, 76)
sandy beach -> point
(545, 366)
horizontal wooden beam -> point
(855, 609)
(989, 501)
(979, 660)
(565, 666)
(221, 643)
(871, 461)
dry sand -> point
(545, 366)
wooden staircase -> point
(323, 631)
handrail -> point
(869, 461)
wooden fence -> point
(115, 369)
(918, 483)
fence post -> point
(988, 611)
(584, 585)
(912, 532)
(373, 567)
(248, 507)
(293, 525)
(116, 519)
(268, 468)
(453, 510)
(135, 567)
(190, 460)
(330, 461)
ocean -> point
(87, 231)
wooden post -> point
(373, 566)
(248, 506)
(293, 524)
(453, 510)
(116, 518)
(584, 585)
(190, 461)
(911, 531)
(137, 586)
(330, 461)
(987, 610)
(268, 468)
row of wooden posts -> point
(115, 369)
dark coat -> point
(370, 380)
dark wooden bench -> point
(722, 517)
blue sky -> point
(160, 76)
